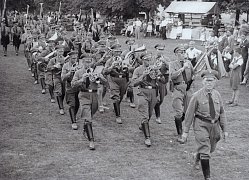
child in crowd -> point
(227, 57)
(235, 67)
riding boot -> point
(42, 80)
(146, 130)
(157, 112)
(205, 167)
(178, 123)
(77, 103)
(72, 114)
(89, 132)
(51, 92)
(116, 106)
(60, 103)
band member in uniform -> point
(72, 99)
(26, 40)
(206, 112)
(163, 65)
(5, 39)
(16, 33)
(118, 79)
(55, 66)
(181, 73)
(87, 81)
(146, 77)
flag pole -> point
(27, 14)
(41, 10)
(4, 9)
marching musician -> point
(163, 65)
(55, 66)
(5, 39)
(181, 73)
(45, 76)
(27, 40)
(87, 81)
(72, 99)
(118, 77)
(88, 44)
(146, 77)
(16, 34)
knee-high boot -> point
(116, 106)
(146, 130)
(51, 92)
(158, 113)
(42, 80)
(89, 132)
(178, 124)
(205, 167)
(72, 114)
(60, 103)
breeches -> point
(118, 88)
(206, 136)
(59, 87)
(146, 101)
(88, 104)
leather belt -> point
(89, 90)
(179, 83)
(148, 87)
(213, 121)
(118, 76)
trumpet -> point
(93, 76)
(153, 72)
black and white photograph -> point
(124, 89)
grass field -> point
(36, 142)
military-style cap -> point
(59, 47)
(160, 47)
(116, 47)
(42, 36)
(111, 38)
(179, 48)
(71, 53)
(221, 30)
(146, 56)
(101, 43)
(130, 41)
(210, 74)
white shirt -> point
(194, 53)
(138, 23)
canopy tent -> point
(192, 7)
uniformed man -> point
(72, 99)
(181, 73)
(206, 111)
(16, 34)
(26, 40)
(117, 78)
(88, 81)
(163, 65)
(5, 36)
(55, 66)
(146, 77)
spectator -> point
(129, 30)
(138, 25)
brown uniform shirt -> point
(199, 105)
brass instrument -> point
(93, 76)
(130, 56)
(153, 71)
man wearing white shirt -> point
(163, 28)
(138, 25)
(193, 53)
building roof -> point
(192, 7)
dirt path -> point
(38, 143)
